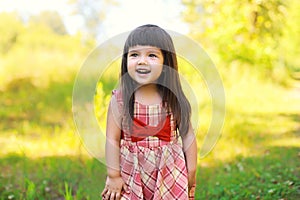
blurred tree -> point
(30, 49)
(246, 32)
(10, 30)
(92, 13)
(290, 50)
(52, 19)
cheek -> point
(129, 65)
(159, 72)
(130, 68)
(158, 68)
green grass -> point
(271, 175)
(54, 177)
(42, 157)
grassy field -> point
(256, 157)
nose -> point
(142, 61)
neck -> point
(148, 94)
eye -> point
(152, 55)
(133, 55)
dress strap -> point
(118, 95)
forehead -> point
(144, 48)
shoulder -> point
(117, 95)
(116, 103)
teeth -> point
(143, 71)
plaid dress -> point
(152, 165)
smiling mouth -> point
(143, 71)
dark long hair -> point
(170, 87)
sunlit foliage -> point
(246, 33)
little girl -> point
(151, 150)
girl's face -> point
(144, 63)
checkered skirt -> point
(153, 168)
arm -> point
(113, 135)
(114, 182)
(190, 152)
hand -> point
(113, 188)
(192, 192)
(191, 184)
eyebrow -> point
(151, 50)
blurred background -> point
(253, 43)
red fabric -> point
(142, 130)
(154, 166)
